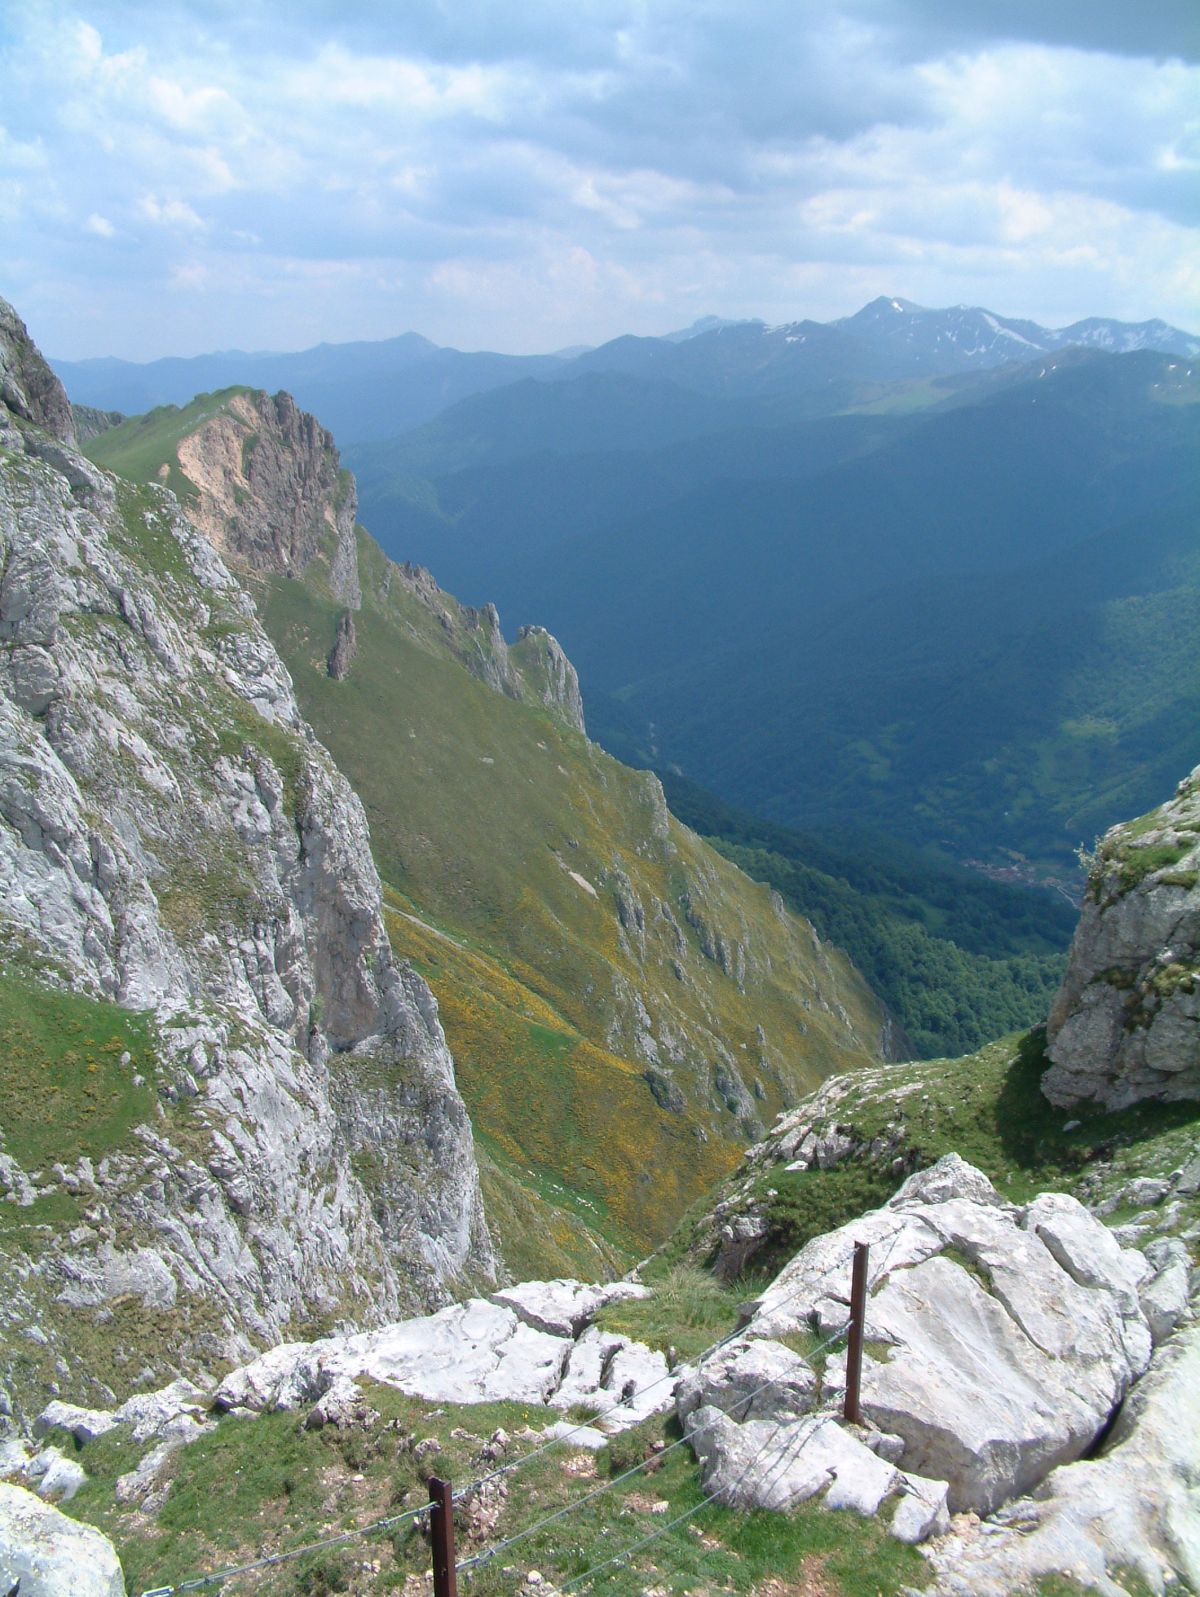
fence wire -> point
(268, 1560)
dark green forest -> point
(957, 958)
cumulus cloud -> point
(534, 175)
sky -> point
(181, 177)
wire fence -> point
(267, 1560)
(745, 1400)
(391, 1521)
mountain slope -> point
(809, 645)
(362, 390)
(227, 1111)
(1004, 714)
(623, 1004)
(957, 959)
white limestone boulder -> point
(1136, 1507)
(53, 1475)
(174, 1410)
(563, 1307)
(751, 1379)
(51, 1555)
(777, 1465)
(624, 1381)
(1164, 1298)
(1002, 1338)
(479, 1351)
(83, 1424)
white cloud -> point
(175, 214)
(544, 174)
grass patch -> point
(807, 1203)
(988, 1108)
(268, 1485)
(687, 1312)
(64, 1091)
(1138, 863)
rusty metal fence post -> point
(441, 1536)
(858, 1322)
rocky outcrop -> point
(28, 388)
(1003, 1337)
(345, 646)
(1134, 1508)
(174, 840)
(1125, 1025)
(547, 670)
(1001, 1342)
(270, 492)
(535, 1344)
(45, 1554)
(90, 422)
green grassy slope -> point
(269, 1485)
(988, 1108)
(142, 448)
(520, 858)
(624, 1006)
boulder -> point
(564, 1308)
(751, 1379)
(1164, 1298)
(609, 1372)
(1136, 1507)
(479, 1351)
(51, 1555)
(760, 1464)
(84, 1424)
(54, 1474)
(1000, 1339)
(178, 1409)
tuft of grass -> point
(64, 1091)
(688, 1311)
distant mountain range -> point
(929, 571)
(963, 609)
(374, 390)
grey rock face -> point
(174, 840)
(28, 388)
(544, 664)
(51, 1555)
(1125, 1025)
(479, 1351)
(1009, 1335)
(90, 422)
(345, 646)
(1136, 1507)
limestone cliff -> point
(174, 841)
(263, 481)
(616, 994)
(270, 492)
(1125, 1025)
